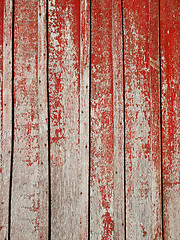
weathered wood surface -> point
(170, 74)
(107, 156)
(5, 111)
(69, 26)
(29, 216)
(142, 120)
(103, 161)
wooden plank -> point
(5, 111)
(142, 119)
(107, 134)
(69, 117)
(170, 74)
(118, 115)
(30, 164)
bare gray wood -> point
(29, 215)
(5, 115)
(69, 28)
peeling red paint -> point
(170, 69)
(120, 156)
(102, 149)
(108, 226)
(5, 111)
(68, 60)
(143, 231)
(30, 156)
(1, 77)
(142, 119)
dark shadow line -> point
(162, 207)
(12, 130)
(48, 112)
(89, 187)
(124, 120)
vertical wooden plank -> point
(30, 163)
(155, 121)
(84, 117)
(118, 115)
(170, 74)
(107, 134)
(69, 117)
(102, 184)
(142, 119)
(5, 111)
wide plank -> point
(142, 120)
(5, 112)
(68, 39)
(29, 216)
(170, 75)
(107, 122)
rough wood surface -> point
(113, 119)
(170, 75)
(142, 115)
(69, 117)
(30, 162)
(107, 156)
(5, 111)
(118, 115)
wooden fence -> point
(89, 119)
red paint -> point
(170, 69)
(30, 157)
(68, 41)
(142, 118)
(143, 231)
(1, 79)
(102, 173)
(67, 27)
(108, 226)
(57, 61)
(1, 107)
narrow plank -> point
(69, 117)
(5, 111)
(30, 164)
(118, 115)
(142, 119)
(107, 134)
(170, 74)
(84, 117)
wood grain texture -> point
(113, 119)
(170, 75)
(5, 111)
(69, 116)
(118, 115)
(142, 119)
(107, 156)
(30, 162)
